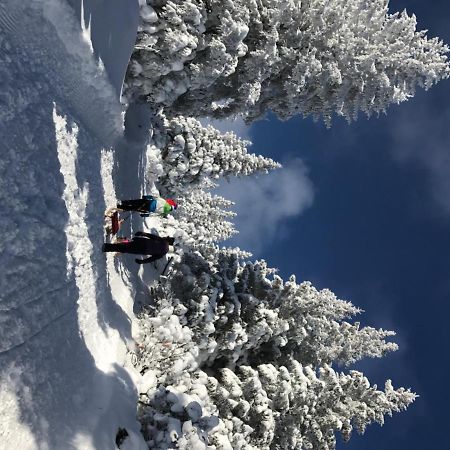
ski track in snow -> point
(63, 333)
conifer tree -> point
(297, 407)
(203, 218)
(267, 347)
(240, 316)
(224, 58)
(192, 154)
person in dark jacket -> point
(148, 204)
(143, 244)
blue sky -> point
(365, 211)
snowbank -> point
(110, 27)
(65, 310)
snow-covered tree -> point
(184, 159)
(297, 407)
(182, 415)
(192, 153)
(239, 316)
(203, 218)
(225, 58)
(273, 320)
(184, 44)
(317, 332)
(232, 356)
(267, 347)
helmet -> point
(172, 203)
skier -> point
(143, 244)
(148, 204)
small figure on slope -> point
(143, 244)
(148, 204)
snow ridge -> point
(86, 31)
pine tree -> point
(268, 320)
(203, 218)
(297, 407)
(224, 58)
(192, 153)
(267, 347)
(240, 316)
(317, 332)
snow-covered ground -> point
(111, 25)
(66, 310)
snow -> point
(66, 310)
(148, 381)
(148, 14)
(109, 26)
(86, 29)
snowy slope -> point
(111, 26)
(65, 310)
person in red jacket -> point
(143, 244)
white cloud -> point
(264, 203)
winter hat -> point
(172, 203)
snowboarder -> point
(143, 244)
(148, 204)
